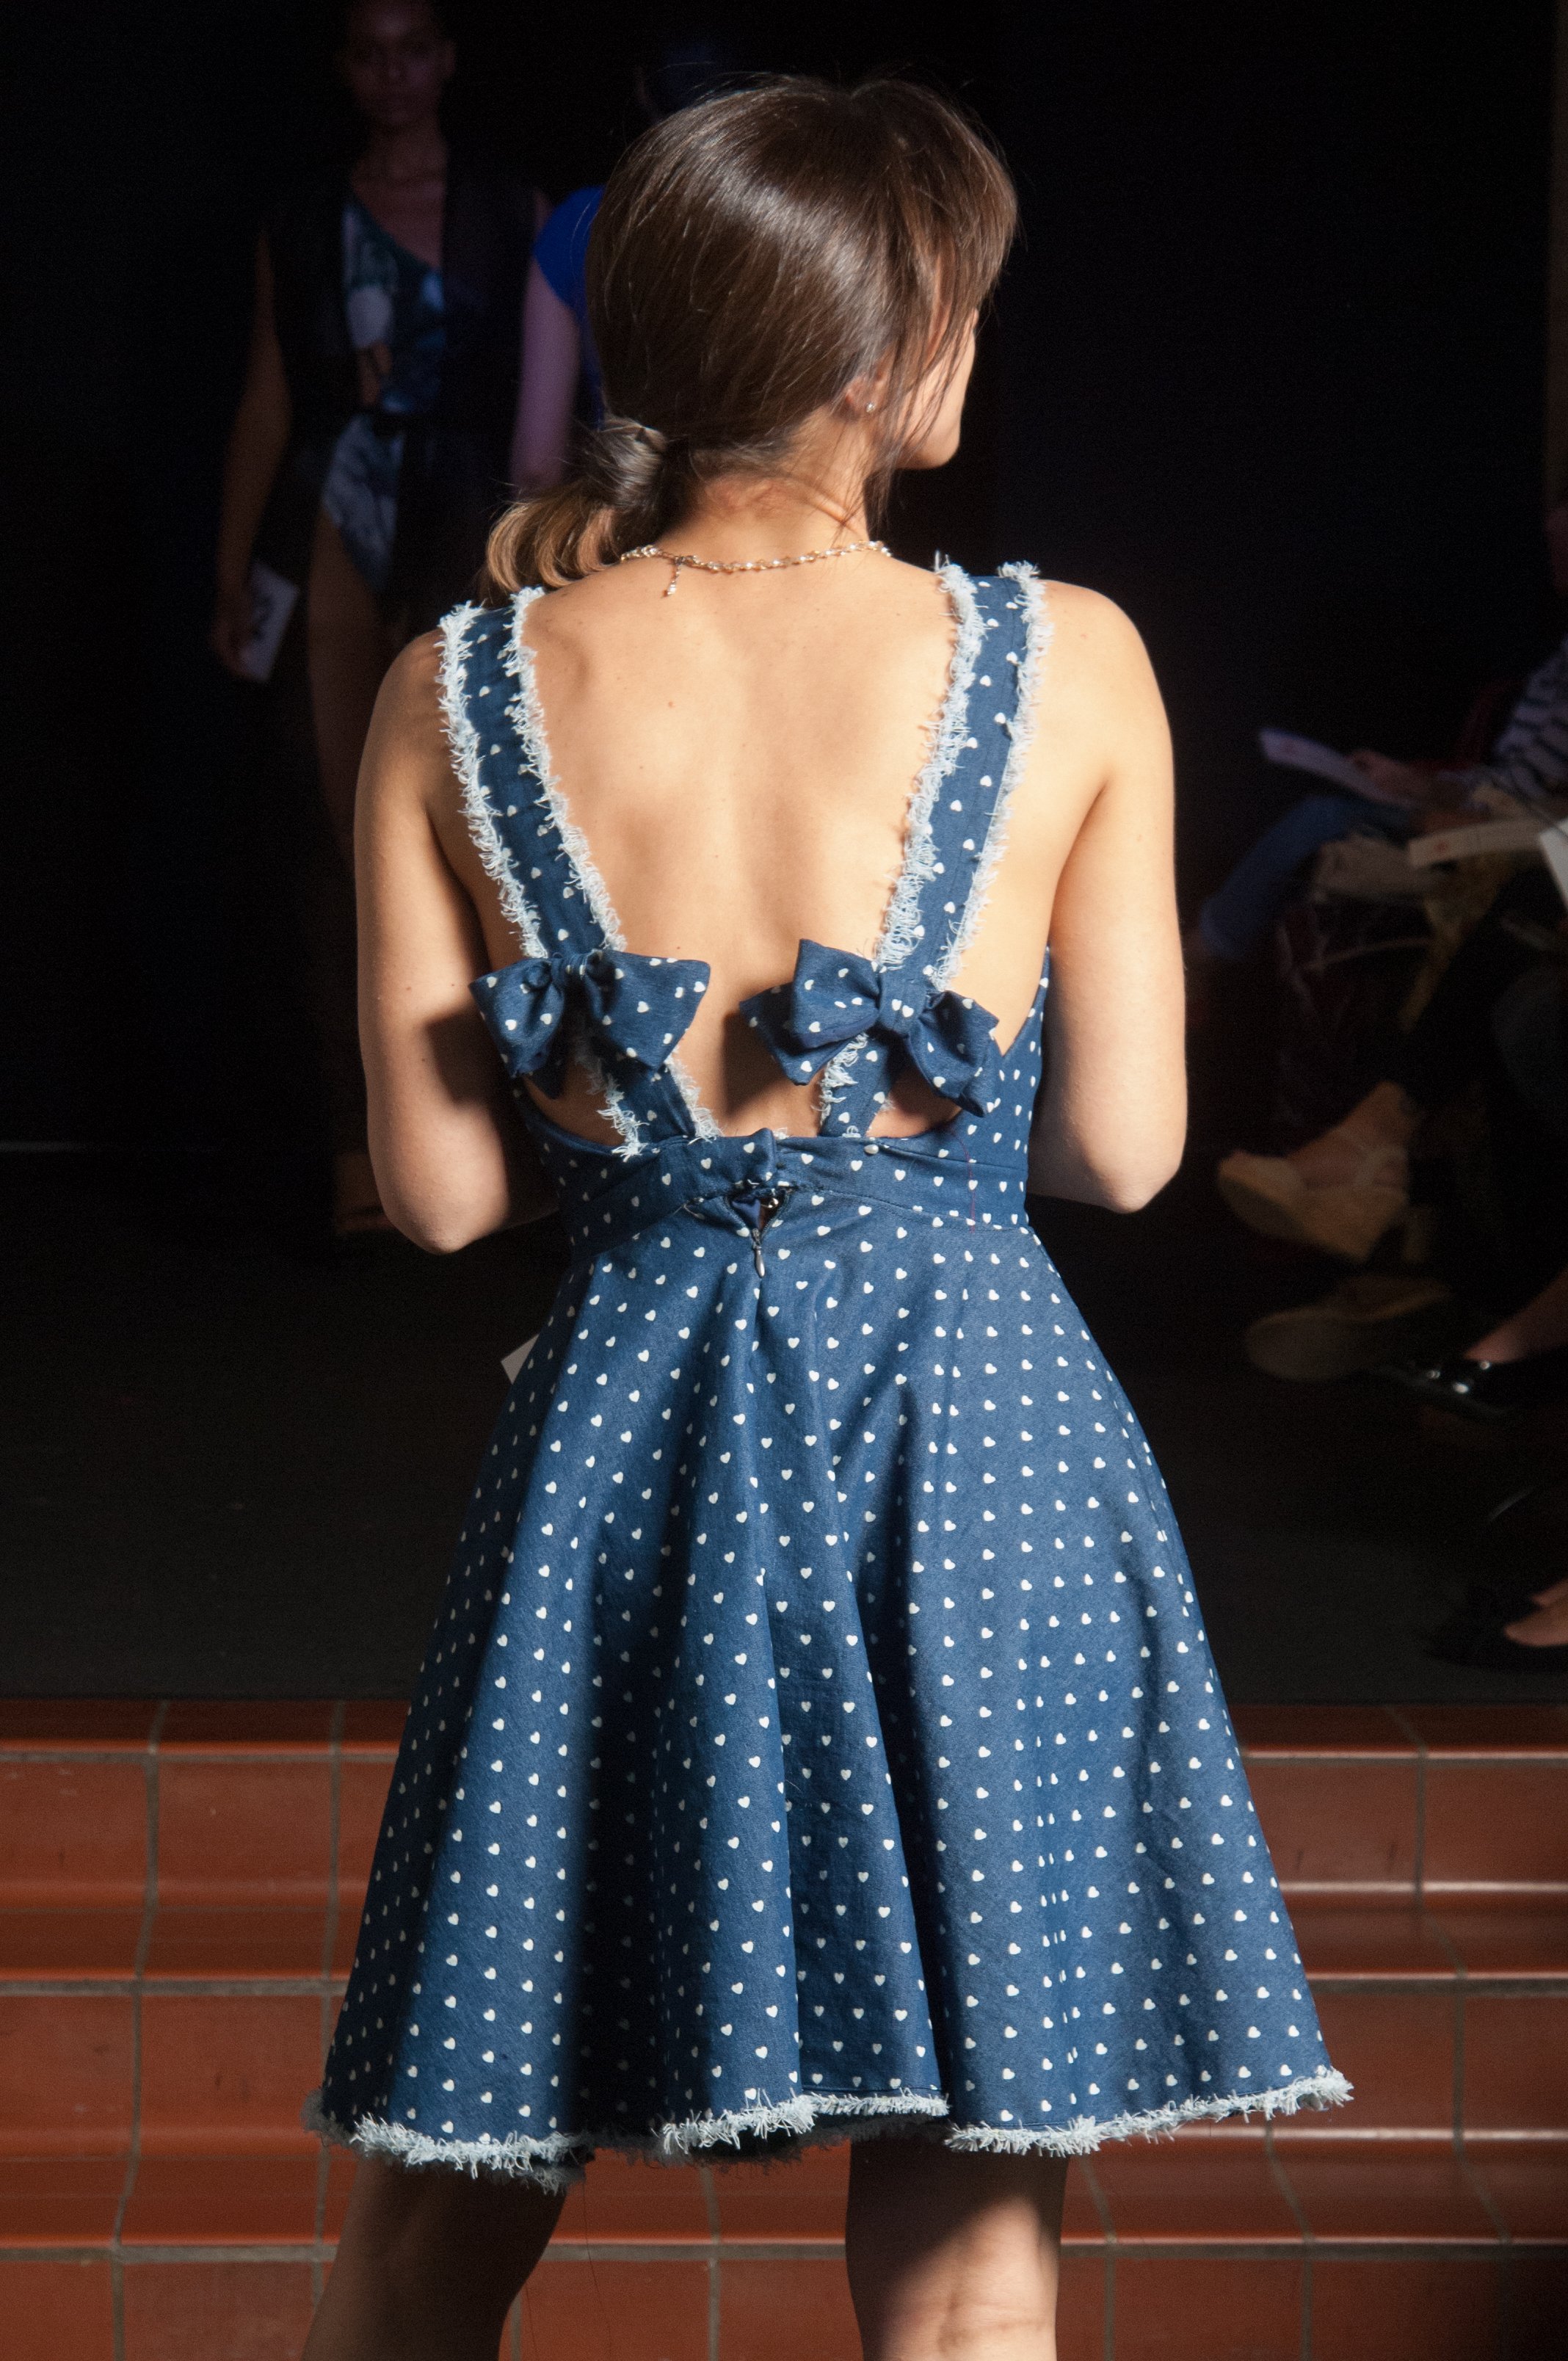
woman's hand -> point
(1402, 783)
(231, 627)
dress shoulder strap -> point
(574, 951)
(549, 888)
(957, 830)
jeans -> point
(1233, 921)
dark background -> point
(1266, 367)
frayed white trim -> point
(901, 927)
(464, 740)
(526, 715)
(810, 2120)
(901, 933)
(1038, 633)
(628, 1129)
(1324, 2089)
(552, 2163)
(797, 2119)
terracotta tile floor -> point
(159, 2201)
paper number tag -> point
(272, 601)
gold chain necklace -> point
(676, 558)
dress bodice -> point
(848, 1021)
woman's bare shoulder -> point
(406, 750)
(1097, 708)
(1087, 626)
(1094, 661)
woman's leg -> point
(953, 2258)
(1538, 1326)
(428, 2265)
(1233, 921)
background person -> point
(368, 456)
(681, 63)
(1526, 773)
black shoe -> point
(1486, 1390)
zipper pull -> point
(756, 1203)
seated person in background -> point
(680, 63)
(1343, 1189)
(1505, 1623)
(1526, 773)
(1370, 1316)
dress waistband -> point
(763, 1171)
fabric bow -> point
(835, 996)
(633, 1010)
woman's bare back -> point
(740, 760)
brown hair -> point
(750, 258)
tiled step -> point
(178, 1894)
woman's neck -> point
(411, 156)
(741, 516)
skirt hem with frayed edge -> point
(806, 2122)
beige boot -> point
(1341, 1217)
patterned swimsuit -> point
(818, 1728)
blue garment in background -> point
(1233, 921)
(395, 306)
(818, 1728)
(561, 251)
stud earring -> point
(869, 407)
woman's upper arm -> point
(552, 358)
(1113, 1112)
(451, 1160)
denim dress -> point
(819, 1735)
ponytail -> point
(625, 489)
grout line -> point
(1411, 1731)
(1107, 2232)
(329, 1944)
(714, 2231)
(334, 1825)
(1097, 2197)
(1306, 2302)
(1478, 2189)
(1282, 2181)
(169, 1987)
(144, 1944)
(1229, 2250)
(315, 1751)
(1459, 1989)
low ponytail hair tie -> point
(634, 431)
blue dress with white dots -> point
(819, 1735)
